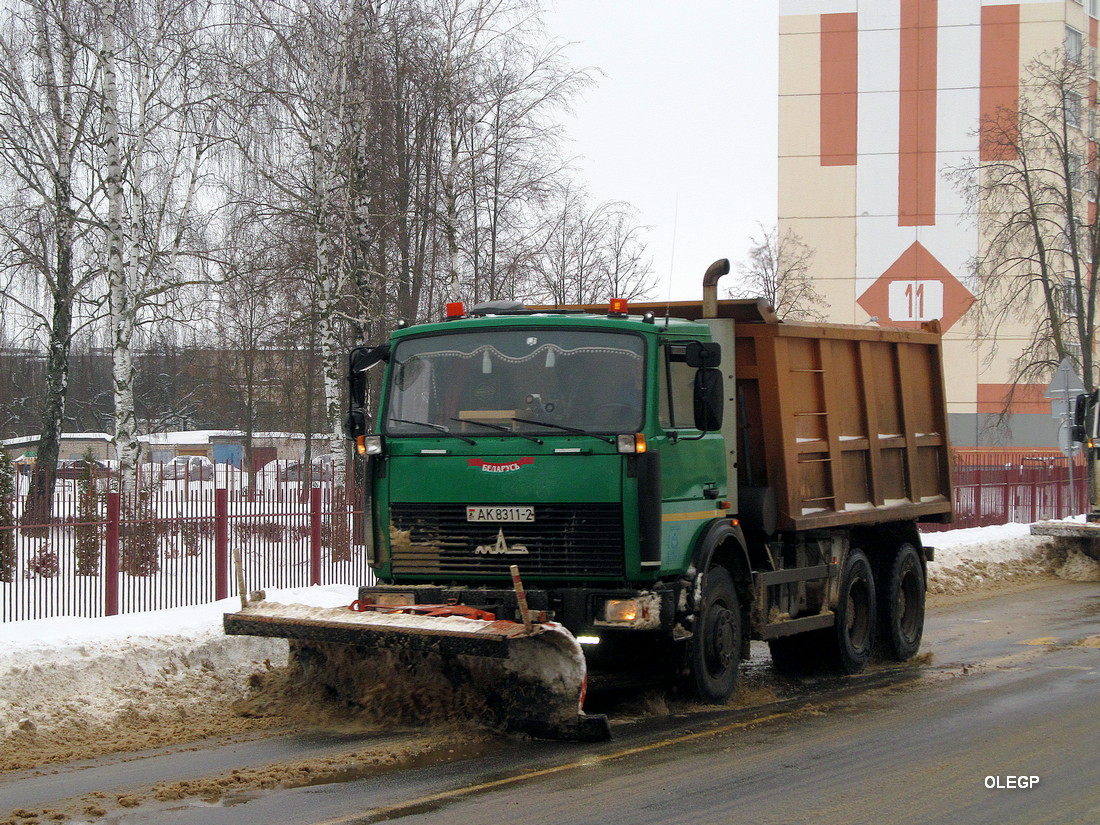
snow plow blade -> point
(536, 674)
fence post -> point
(315, 536)
(110, 582)
(979, 492)
(221, 544)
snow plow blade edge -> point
(537, 672)
(488, 641)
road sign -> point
(1065, 381)
(1062, 407)
(1066, 444)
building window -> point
(1075, 41)
(1092, 62)
(1093, 183)
(1092, 124)
(1094, 8)
(1069, 298)
(1076, 164)
(1079, 235)
(1073, 109)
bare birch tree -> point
(778, 269)
(158, 114)
(590, 254)
(294, 66)
(46, 121)
(514, 165)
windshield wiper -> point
(439, 427)
(562, 427)
(508, 430)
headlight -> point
(372, 445)
(620, 611)
(630, 442)
(640, 611)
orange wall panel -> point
(1027, 398)
(839, 88)
(917, 138)
(1000, 80)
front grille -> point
(584, 540)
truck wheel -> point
(854, 631)
(901, 605)
(716, 643)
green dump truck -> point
(669, 481)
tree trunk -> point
(40, 498)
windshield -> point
(480, 383)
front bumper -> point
(580, 610)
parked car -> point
(296, 470)
(189, 468)
(80, 468)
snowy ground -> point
(982, 557)
(73, 687)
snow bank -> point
(980, 557)
(122, 677)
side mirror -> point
(703, 356)
(709, 399)
(355, 424)
(695, 353)
(1079, 429)
(360, 360)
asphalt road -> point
(1012, 689)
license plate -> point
(500, 514)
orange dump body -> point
(847, 424)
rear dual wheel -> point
(901, 604)
(854, 631)
(889, 606)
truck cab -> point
(583, 448)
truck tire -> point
(716, 643)
(901, 604)
(855, 628)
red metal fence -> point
(1015, 486)
(171, 543)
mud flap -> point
(536, 676)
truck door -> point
(693, 471)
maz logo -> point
(501, 548)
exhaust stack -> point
(710, 286)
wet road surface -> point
(1012, 689)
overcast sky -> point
(682, 124)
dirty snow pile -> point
(980, 557)
(67, 678)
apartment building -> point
(879, 112)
